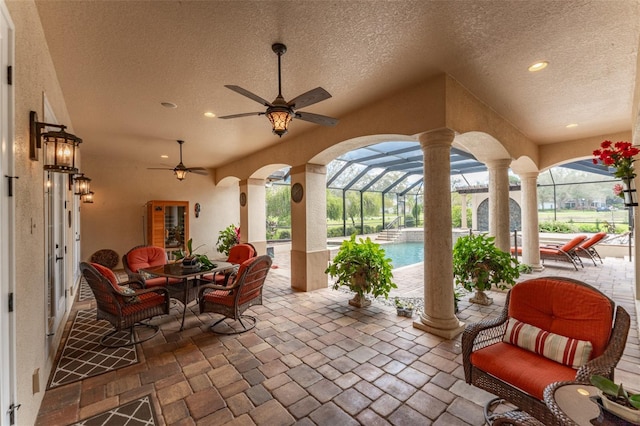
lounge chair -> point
(564, 253)
(587, 248)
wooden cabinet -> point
(168, 225)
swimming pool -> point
(403, 254)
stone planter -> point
(359, 301)
(405, 312)
(481, 298)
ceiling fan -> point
(180, 170)
(281, 112)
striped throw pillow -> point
(565, 350)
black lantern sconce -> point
(82, 185)
(87, 198)
(59, 147)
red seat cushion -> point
(564, 308)
(145, 301)
(521, 368)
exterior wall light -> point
(82, 185)
(59, 146)
(87, 198)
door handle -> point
(59, 258)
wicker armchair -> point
(238, 254)
(231, 301)
(141, 257)
(124, 309)
(590, 312)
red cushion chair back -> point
(573, 243)
(593, 240)
(570, 309)
(107, 273)
(241, 252)
(145, 257)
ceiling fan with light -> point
(280, 112)
(180, 170)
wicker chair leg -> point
(132, 338)
(232, 327)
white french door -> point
(7, 223)
(56, 244)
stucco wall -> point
(34, 74)
(116, 219)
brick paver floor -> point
(314, 360)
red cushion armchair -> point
(121, 305)
(231, 301)
(493, 362)
(238, 254)
(141, 257)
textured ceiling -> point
(118, 60)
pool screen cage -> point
(380, 186)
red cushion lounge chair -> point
(565, 253)
(587, 247)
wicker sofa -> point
(494, 359)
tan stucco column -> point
(530, 231)
(309, 253)
(463, 201)
(499, 202)
(439, 315)
(253, 215)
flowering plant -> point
(617, 190)
(619, 156)
(227, 238)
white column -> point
(439, 315)
(253, 215)
(530, 230)
(309, 253)
(464, 211)
(499, 202)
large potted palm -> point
(364, 268)
(478, 264)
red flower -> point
(618, 155)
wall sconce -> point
(82, 185)
(87, 198)
(60, 147)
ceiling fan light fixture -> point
(280, 119)
(180, 174)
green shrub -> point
(555, 226)
(284, 234)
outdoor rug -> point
(134, 413)
(82, 355)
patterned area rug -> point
(82, 355)
(138, 412)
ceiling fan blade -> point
(159, 168)
(246, 114)
(248, 94)
(198, 170)
(309, 98)
(316, 118)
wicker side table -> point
(570, 403)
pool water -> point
(403, 254)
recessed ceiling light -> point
(572, 125)
(209, 114)
(164, 156)
(538, 66)
(168, 105)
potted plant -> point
(403, 308)
(478, 264)
(617, 400)
(364, 268)
(227, 238)
(190, 259)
